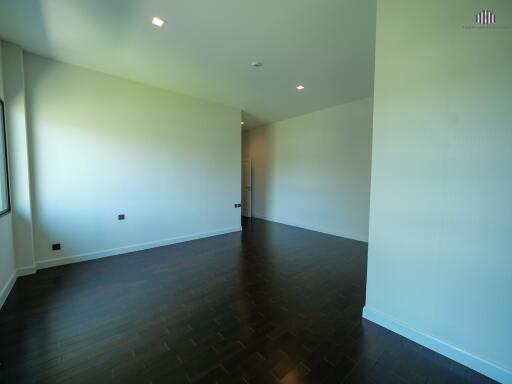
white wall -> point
(4, 184)
(313, 171)
(14, 89)
(102, 146)
(440, 264)
(7, 265)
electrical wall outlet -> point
(120, 216)
(56, 247)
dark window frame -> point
(3, 136)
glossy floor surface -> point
(272, 304)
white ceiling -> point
(206, 47)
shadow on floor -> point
(271, 304)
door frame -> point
(249, 163)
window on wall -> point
(5, 205)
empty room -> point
(227, 191)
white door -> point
(246, 188)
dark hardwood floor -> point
(272, 304)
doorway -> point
(247, 188)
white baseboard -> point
(26, 271)
(6, 289)
(313, 228)
(132, 248)
(478, 364)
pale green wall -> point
(14, 90)
(101, 146)
(441, 215)
(313, 171)
(4, 201)
(7, 265)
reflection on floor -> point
(272, 304)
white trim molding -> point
(25, 271)
(6, 289)
(461, 356)
(312, 228)
(131, 248)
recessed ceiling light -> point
(158, 22)
(300, 87)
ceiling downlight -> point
(158, 22)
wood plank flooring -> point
(273, 304)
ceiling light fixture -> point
(300, 87)
(158, 22)
(257, 64)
